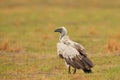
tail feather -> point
(87, 70)
(88, 61)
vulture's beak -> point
(58, 30)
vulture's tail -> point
(88, 65)
(87, 61)
(87, 70)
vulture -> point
(73, 53)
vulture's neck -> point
(64, 38)
(63, 34)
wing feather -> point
(80, 49)
(73, 57)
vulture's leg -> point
(74, 71)
(68, 67)
(69, 70)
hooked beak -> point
(58, 30)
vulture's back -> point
(66, 51)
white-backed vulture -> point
(73, 53)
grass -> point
(28, 43)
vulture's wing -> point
(80, 49)
(73, 57)
(82, 52)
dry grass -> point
(7, 46)
(92, 31)
(47, 36)
(112, 46)
(28, 42)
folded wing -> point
(73, 57)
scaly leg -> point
(68, 67)
(69, 70)
(74, 71)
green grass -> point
(28, 42)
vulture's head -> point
(61, 30)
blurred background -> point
(28, 42)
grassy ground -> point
(28, 43)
